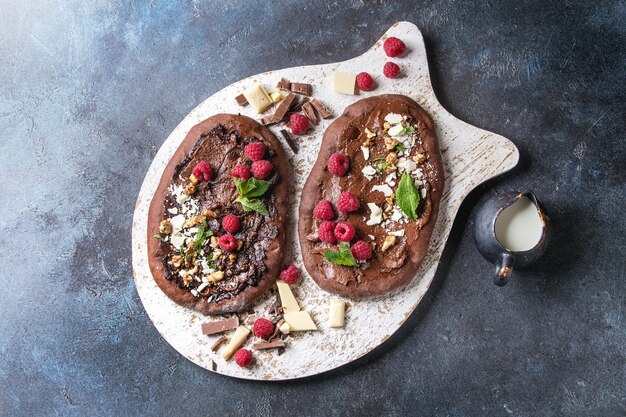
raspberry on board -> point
(391, 70)
(365, 82)
(290, 274)
(393, 47)
(243, 358)
(263, 328)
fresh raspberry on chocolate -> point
(326, 232)
(262, 169)
(290, 274)
(255, 150)
(365, 82)
(227, 242)
(231, 223)
(240, 171)
(338, 164)
(324, 210)
(391, 70)
(344, 232)
(243, 357)
(203, 171)
(393, 47)
(348, 202)
(361, 250)
(263, 328)
(299, 124)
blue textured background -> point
(90, 89)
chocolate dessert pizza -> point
(369, 207)
(216, 224)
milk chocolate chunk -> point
(241, 100)
(302, 88)
(309, 112)
(323, 111)
(283, 107)
(220, 326)
(292, 144)
(284, 84)
(274, 344)
(268, 120)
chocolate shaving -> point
(301, 88)
(283, 107)
(220, 326)
(214, 365)
(275, 344)
(298, 105)
(309, 112)
(284, 84)
(281, 351)
(321, 109)
(219, 342)
(292, 144)
(241, 100)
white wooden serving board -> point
(471, 156)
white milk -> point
(519, 227)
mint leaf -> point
(342, 256)
(158, 236)
(251, 187)
(255, 204)
(408, 196)
(202, 234)
(399, 147)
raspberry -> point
(344, 231)
(361, 250)
(290, 274)
(203, 171)
(326, 232)
(231, 223)
(299, 124)
(261, 169)
(227, 243)
(391, 70)
(241, 171)
(263, 328)
(338, 164)
(365, 82)
(255, 150)
(324, 211)
(394, 47)
(243, 357)
(348, 202)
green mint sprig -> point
(408, 196)
(249, 192)
(341, 256)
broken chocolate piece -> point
(323, 111)
(298, 106)
(214, 366)
(241, 100)
(283, 107)
(268, 120)
(309, 112)
(220, 326)
(292, 144)
(274, 344)
(301, 88)
(219, 342)
(284, 84)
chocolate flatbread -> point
(416, 154)
(250, 268)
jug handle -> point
(504, 269)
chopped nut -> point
(187, 279)
(369, 133)
(385, 216)
(193, 220)
(176, 261)
(193, 179)
(212, 214)
(390, 143)
(214, 242)
(165, 227)
(386, 126)
(391, 158)
(389, 200)
(390, 240)
(217, 254)
(189, 188)
(232, 257)
(239, 244)
(419, 158)
(216, 276)
(388, 207)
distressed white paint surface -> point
(470, 155)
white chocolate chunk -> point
(177, 222)
(368, 172)
(173, 210)
(284, 328)
(393, 118)
(240, 336)
(366, 152)
(299, 321)
(395, 130)
(384, 188)
(290, 305)
(257, 97)
(177, 240)
(344, 82)
(376, 215)
(406, 165)
(398, 233)
(336, 313)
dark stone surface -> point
(89, 91)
